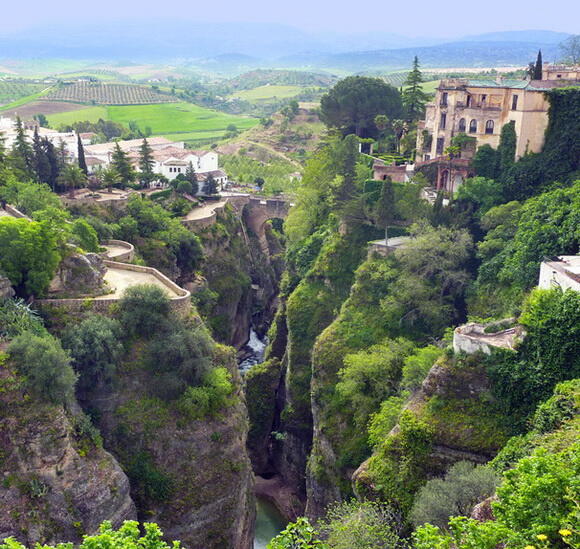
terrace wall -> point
(129, 255)
(180, 304)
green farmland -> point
(267, 93)
(178, 121)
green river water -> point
(269, 523)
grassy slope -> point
(266, 93)
(179, 121)
(24, 100)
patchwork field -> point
(268, 93)
(178, 121)
(98, 93)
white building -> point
(563, 272)
(171, 159)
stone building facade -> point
(480, 108)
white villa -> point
(171, 159)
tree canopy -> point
(354, 102)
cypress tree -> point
(2, 148)
(53, 162)
(22, 155)
(120, 161)
(81, 155)
(414, 98)
(146, 163)
(40, 161)
(538, 67)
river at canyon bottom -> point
(269, 521)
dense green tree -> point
(385, 209)
(507, 147)
(414, 98)
(29, 254)
(40, 161)
(28, 197)
(191, 176)
(184, 187)
(144, 310)
(210, 188)
(354, 102)
(95, 347)
(46, 367)
(51, 155)
(81, 155)
(486, 162)
(549, 354)
(146, 164)
(42, 120)
(120, 161)
(482, 193)
(538, 67)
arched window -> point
(461, 127)
(473, 126)
(489, 126)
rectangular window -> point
(444, 96)
(443, 121)
(514, 102)
(440, 145)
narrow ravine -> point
(269, 521)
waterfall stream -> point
(269, 521)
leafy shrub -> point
(361, 525)
(16, 317)
(184, 352)
(144, 309)
(95, 348)
(128, 536)
(464, 486)
(28, 197)
(84, 235)
(563, 405)
(417, 366)
(371, 376)
(149, 483)
(209, 398)
(45, 365)
(382, 422)
(297, 535)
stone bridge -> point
(258, 211)
(254, 210)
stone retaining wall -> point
(129, 255)
(180, 304)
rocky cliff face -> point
(192, 477)
(240, 282)
(56, 482)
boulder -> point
(80, 274)
(6, 290)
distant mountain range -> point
(226, 46)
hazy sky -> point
(442, 18)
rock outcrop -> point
(6, 290)
(57, 483)
(80, 274)
(191, 476)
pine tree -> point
(81, 155)
(538, 67)
(146, 163)
(22, 156)
(2, 148)
(191, 176)
(40, 161)
(414, 98)
(120, 161)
